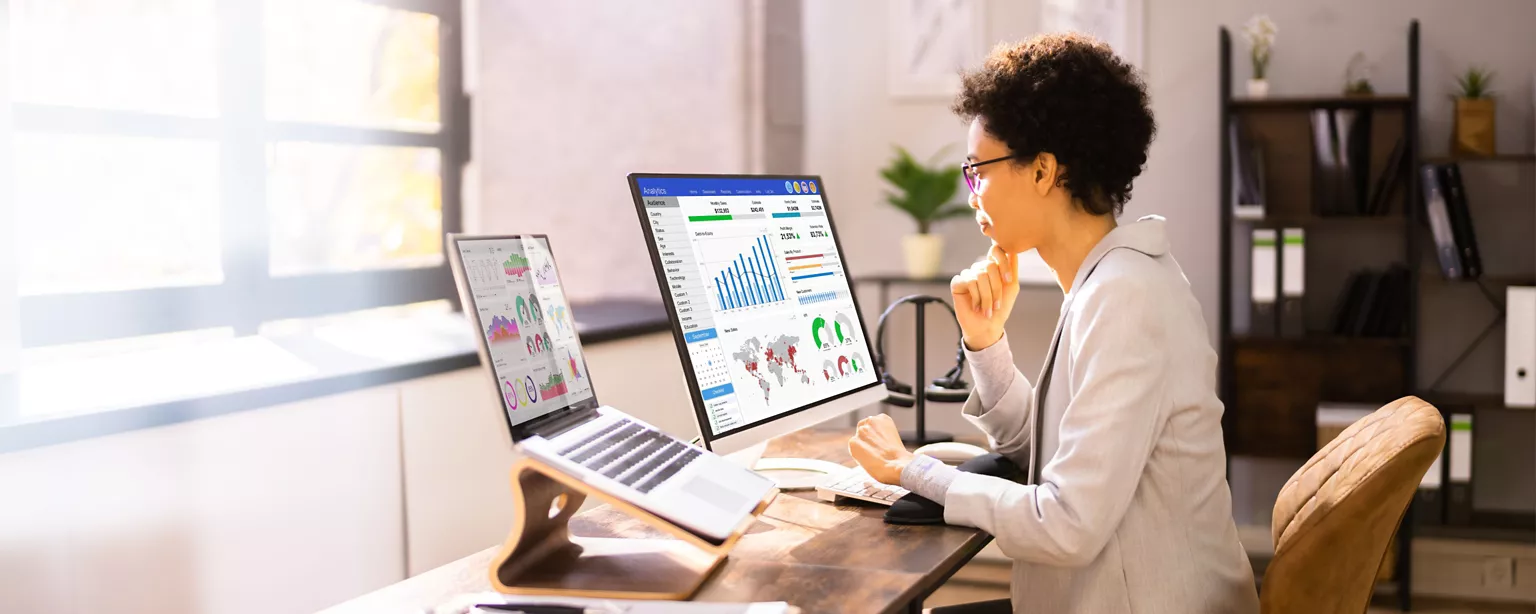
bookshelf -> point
(1270, 383)
(1335, 246)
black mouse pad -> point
(916, 509)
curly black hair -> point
(1069, 95)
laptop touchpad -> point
(714, 493)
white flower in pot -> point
(927, 193)
(1260, 32)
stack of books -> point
(1341, 165)
(1374, 304)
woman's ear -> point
(1044, 173)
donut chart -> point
(519, 391)
(837, 331)
(843, 326)
(843, 366)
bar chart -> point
(750, 279)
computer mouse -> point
(951, 452)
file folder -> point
(1264, 284)
(1293, 282)
(1520, 347)
(1458, 506)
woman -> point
(1127, 508)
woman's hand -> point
(984, 296)
(877, 446)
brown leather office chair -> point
(1336, 516)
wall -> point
(851, 124)
(10, 306)
(573, 96)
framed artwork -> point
(929, 42)
(1116, 22)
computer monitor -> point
(512, 293)
(761, 304)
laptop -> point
(511, 292)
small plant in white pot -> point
(1260, 32)
(927, 193)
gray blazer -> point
(1129, 509)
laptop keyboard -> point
(632, 454)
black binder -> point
(1341, 161)
(1349, 301)
(1435, 211)
(1388, 180)
(1461, 221)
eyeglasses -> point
(973, 176)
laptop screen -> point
(755, 281)
(525, 324)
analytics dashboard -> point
(526, 325)
(764, 305)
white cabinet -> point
(290, 508)
(282, 509)
(457, 452)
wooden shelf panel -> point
(1303, 103)
(1433, 275)
(1495, 534)
(1313, 221)
(1477, 400)
(1318, 340)
(1288, 166)
(1277, 384)
(1497, 158)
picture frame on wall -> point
(929, 42)
(1119, 23)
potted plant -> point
(1357, 77)
(1474, 132)
(927, 193)
(1260, 32)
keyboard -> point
(856, 484)
(632, 454)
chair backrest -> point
(1336, 516)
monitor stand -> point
(789, 473)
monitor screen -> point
(525, 324)
(758, 294)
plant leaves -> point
(951, 211)
(922, 192)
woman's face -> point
(1009, 206)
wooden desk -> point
(818, 556)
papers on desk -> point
(465, 604)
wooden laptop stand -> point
(542, 557)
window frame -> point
(249, 295)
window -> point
(185, 165)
